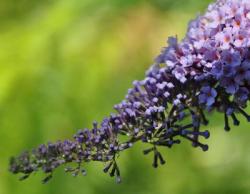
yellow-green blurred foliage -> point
(65, 63)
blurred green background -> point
(65, 63)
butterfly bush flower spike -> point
(209, 70)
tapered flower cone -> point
(209, 70)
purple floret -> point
(207, 95)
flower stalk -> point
(209, 70)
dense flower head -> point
(208, 70)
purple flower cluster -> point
(209, 70)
